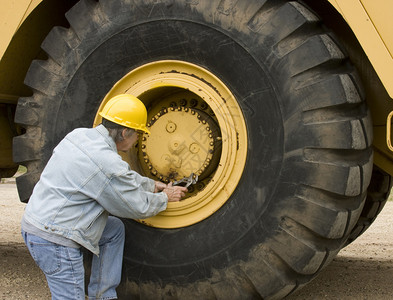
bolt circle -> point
(171, 127)
(188, 148)
(194, 148)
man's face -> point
(128, 141)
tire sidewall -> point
(216, 240)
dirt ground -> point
(363, 270)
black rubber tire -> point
(377, 195)
(309, 160)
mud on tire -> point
(309, 159)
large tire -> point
(309, 157)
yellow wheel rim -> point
(196, 126)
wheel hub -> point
(196, 127)
(186, 142)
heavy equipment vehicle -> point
(282, 108)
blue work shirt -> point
(84, 181)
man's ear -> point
(124, 134)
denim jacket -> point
(84, 181)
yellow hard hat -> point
(126, 110)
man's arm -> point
(126, 196)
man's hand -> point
(160, 186)
(175, 193)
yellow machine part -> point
(196, 126)
(12, 15)
(372, 23)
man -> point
(84, 181)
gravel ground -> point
(363, 270)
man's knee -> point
(116, 225)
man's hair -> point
(115, 130)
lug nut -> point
(200, 185)
(193, 102)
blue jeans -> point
(63, 266)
